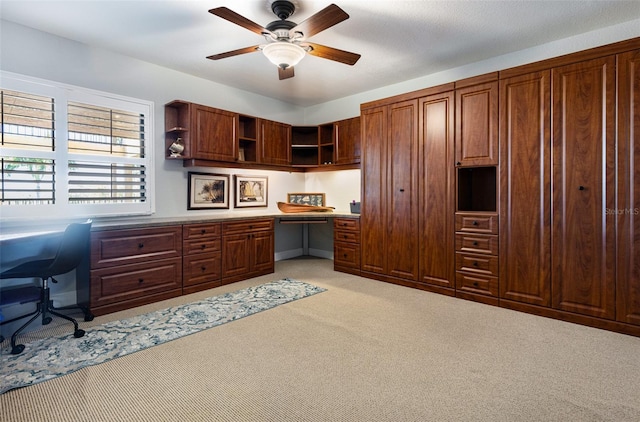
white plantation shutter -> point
(67, 151)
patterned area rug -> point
(52, 357)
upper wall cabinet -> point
(347, 141)
(205, 133)
(276, 143)
(477, 121)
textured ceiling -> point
(398, 40)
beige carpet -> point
(362, 351)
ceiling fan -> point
(287, 41)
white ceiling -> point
(398, 40)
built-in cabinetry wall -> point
(531, 203)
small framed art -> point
(208, 191)
(317, 199)
(251, 191)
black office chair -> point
(73, 246)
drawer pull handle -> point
(581, 188)
(140, 245)
(401, 190)
(475, 284)
(345, 236)
(475, 223)
(475, 263)
(141, 280)
(203, 231)
(203, 246)
(203, 268)
(345, 255)
(475, 243)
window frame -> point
(62, 208)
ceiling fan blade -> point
(332, 54)
(285, 73)
(233, 17)
(237, 52)
(326, 18)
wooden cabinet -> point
(525, 174)
(390, 190)
(628, 211)
(477, 257)
(275, 143)
(436, 184)
(346, 245)
(202, 259)
(584, 164)
(134, 267)
(477, 122)
(347, 141)
(207, 133)
(247, 249)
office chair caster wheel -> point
(1, 339)
(46, 320)
(78, 333)
(17, 349)
(88, 317)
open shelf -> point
(477, 189)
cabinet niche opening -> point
(477, 189)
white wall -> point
(350, 106)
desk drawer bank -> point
(136, 266)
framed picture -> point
(251, 191)
(208, 191)
(307, 198)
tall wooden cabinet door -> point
(525, 174)
(276, 143)
(348, 141)
(402, 190)
(477, 125)
(373, 216)
(436, 178)
(628, 211)
(216, 136)
(583, 242)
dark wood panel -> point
(583, 245)
(276, 143)
(348, 141)
(525, 212)
(477, 243)
(402, 189)
(199, 231)
(236, 258)
(477, 125)
(201, 268)
(476, 223)
(216, 134)
(628, 211)
(262, 251)
(374, 196)
(436, 181)
(477, 284)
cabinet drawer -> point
(346, 236)
(201, 268)
(474, 283)
(123, 283)
(346, 224)
(346, 254)
(200, 231)
(477, 243)
(478, 264)
(121, 247)
(246, 226)
(477, 223)
(201, 246)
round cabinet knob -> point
(581, 188)
(475, 243)
(140, 245)
(475, 223)
(475, 263)
(141, 280)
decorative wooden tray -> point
(291, 208)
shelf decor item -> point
(251, 191)
(316, 199)
(208, 191)
(288, 207)
(176, 148)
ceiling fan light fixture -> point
(283, 54)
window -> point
(71, 152)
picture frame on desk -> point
(251, 191)
(317, 199)
(207, 191)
